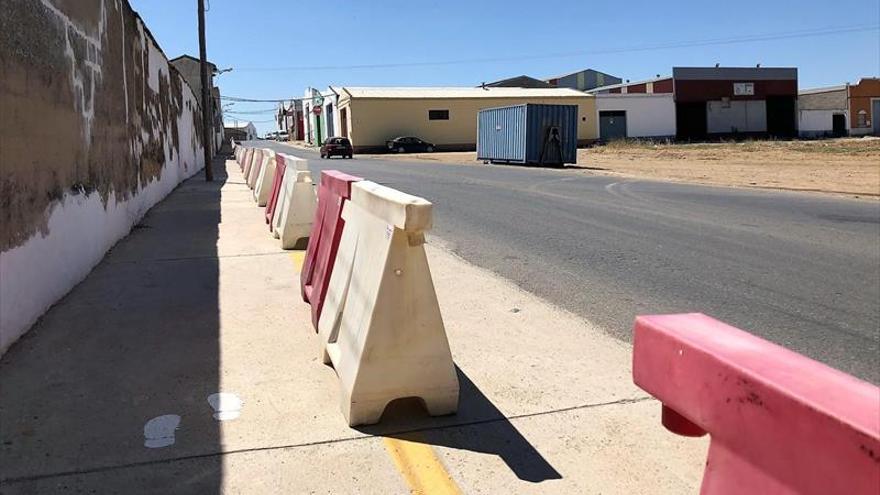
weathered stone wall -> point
(93, 117)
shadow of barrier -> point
(366, 261)
(478, 426)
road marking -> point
(226, 406)
(159, 431)
(298, 257)
(420, 467)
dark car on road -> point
(409, 144)
(339, 146)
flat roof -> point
(633, 95)
(732, 73)
(633, 83)
(462, 92)
(239, 125)
(828, 89)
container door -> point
(612, 125)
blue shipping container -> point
(528, 133)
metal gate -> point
(612, 125)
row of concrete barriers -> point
(366, 277)
(778, 421)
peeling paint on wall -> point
(98, 128)
(73, 124)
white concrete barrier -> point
(381, 326)
(295, 209)
(265, 176)
(298, 163)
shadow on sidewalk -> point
(477, 427)
(137, 339)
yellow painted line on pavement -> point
(298, 257)
(420, 467)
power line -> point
(242, 112)
(807, 33)
(252, 121)
(239, 99)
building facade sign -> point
(744, 89)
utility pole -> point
(207, 117)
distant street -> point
(801, 270)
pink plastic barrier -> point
(256, 157)
(333, 192)
(248, 153)
(280, 166)
(779, 422)
(254, 172)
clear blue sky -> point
(261, 34)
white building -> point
(240, 130)
(823, 112)
(635, 115)
(319, 126)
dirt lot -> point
(849, 166)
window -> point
(863, 118)
(438, 114)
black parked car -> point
(409, 144)
(340, 146)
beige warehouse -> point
(446, 117)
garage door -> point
(612, 125)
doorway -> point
(612, 125)
(838, 125)
(343, 121)
(331, 130)
(781, 116)
(875, 116)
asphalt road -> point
(802, 270)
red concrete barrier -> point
(779, 422)
(280, 166)
(333, 191)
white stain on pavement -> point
(226, 406)
(159, 431)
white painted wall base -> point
(818, 123)
(647, 115)
(35, 275)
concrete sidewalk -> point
(200, 299)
